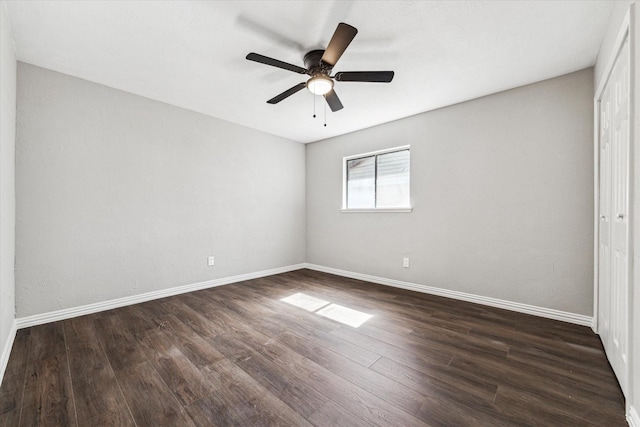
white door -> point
(613, 304)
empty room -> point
(319, 213)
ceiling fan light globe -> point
(320, 85)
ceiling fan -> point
(319, 64)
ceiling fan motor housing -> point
(313, 63)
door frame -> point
(626, 31)
(623, 33)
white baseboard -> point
(67, 313)
(633, 418)
(6, 350)
(549, 313)
(53, 316)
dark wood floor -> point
(237, 355)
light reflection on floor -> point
(305, 301)
(339, 313)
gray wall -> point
(7, 181)
(119, 195)
(502, 191)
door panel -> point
(613, 278)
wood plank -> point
(390, 391)
(299, 395)
(11, 393)
(191, 318)
(457, 342)
(218, 318)
(363, 404)
(14, 376)
(117, 417)
(583, 356)
(331, 414)
(151, 402)
(10, 418)
(96, 389)
(46, 341)
(240, 400)
(439, 412)
(439, 382)
(197, 349)
(409, 353)
(281, 325)
(154, 309)
(241, 343)
(532, 408)
(121, 348)
(137, 320)
(597, 379)
(48, 396)
(184, 380)
(516, 376)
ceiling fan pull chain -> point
(325, 114)
(314, 106)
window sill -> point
(381, 210)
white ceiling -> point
(192, 53)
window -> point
(377, 181)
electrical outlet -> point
(210, 261)
(405, 262)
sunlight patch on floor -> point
(345, 315)
(339, 313)
(305, 301)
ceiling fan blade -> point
(338, 43)
(287, 93)
(333, 101)
(275, 63)
(365, 76)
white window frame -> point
(373, 153)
